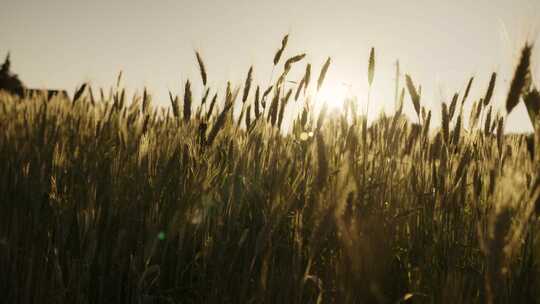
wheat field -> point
(110, 199)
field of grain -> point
(107, 199)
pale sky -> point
(62, 43)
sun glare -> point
(333, 95)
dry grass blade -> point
(304, 82)
(322, 116)
(307, 76)
(205, 96)
(284, 102)
(427, 122)
(79, 92)
(453, 106)
(324, 70)
(532, 102)
(281, 78)
(145, 124)
(273, 111)
(211, 108)
(174, 104)
(293, 60)
(145, 101)
(396, 85)
(467, 91)
(478, 110)
(222, 117)
(218, 124)
(265, 94)
(500, 133)
(445, 123)
(279, 52)
(119, 79)
(520, 77)
(202, 69)
(462, 167)
(491, 87)
(487, 123)
(457, 131)
(299, 88)
(322, 162)
(187, 101)
(304, 117)
(371, 66)
(247, 85)
(401, 101)
(472, 115)
(256, 103)
(91, 93)
(241, 117)
(248, 116)
(494, 122)
(101, 94)
(415, 97)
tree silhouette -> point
(8, 81)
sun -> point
(333, 95)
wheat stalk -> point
(520, 77)
(202, 68)
(371, 66)
(415, 97)
(247, 85)
(187, 101)
(279, 52)
(467, 91)
(491, 87)
(322, 74)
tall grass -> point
(108, 202)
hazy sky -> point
(61, 43)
